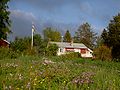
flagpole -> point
(32, 37)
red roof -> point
(4, 43)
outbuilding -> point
(4, 43)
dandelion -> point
(41, 82)
(18, 88)
(35, 84)
(35, 79)
(11, 74)
(64, 82)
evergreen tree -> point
(85, 35)
(4, 19)
(67, 37)
(113, 37)
(104, 37)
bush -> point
(52, 50)
(30, 51)
(71, 55)
(103, 53)
(7, 53)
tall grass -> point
(32, 73)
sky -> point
(61, 14)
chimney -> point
(71, 43)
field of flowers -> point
(55, 73)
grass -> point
(34, 73)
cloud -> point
(21, 23)
(21, 14)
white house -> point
(65, 47)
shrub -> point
(52, 50)
(103, 53)
(7, 53)
(30, 51)
(71, 55)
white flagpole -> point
(32, 36)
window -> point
(83, 51)
(61, 49)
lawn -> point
(55, 73)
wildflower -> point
(10, 87)
(6, 87)
(41, 82)
(35, 79)
(35, 84)
(18, 88)
(11, 74)
(28, 85)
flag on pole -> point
(33, 28)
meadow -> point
(56, 73)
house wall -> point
(61, 51)
(3, 44)
(64, 50)
(87, 54)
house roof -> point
(69, 45)
(5, 41)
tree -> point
(21, 44)
(103, 53)
(51, 34)
(85, 35)
(39, 44)
(37, 40)
(113, 37)
(104, 37)
(4, 19)
(67, 37)
(52, 50)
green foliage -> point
(37, 40)
(7, 53)
(4, 19)
(21, 44)
(51, 34)
(67, 37)
(51, 50)
(103, 53)
(71, 55)
(85, 35)
(111, 37)
(104, 37)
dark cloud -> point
(22, 24)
